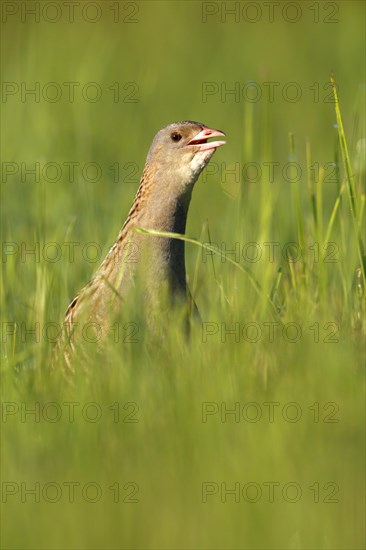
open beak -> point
(202, 137)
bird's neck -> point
(165, 210)
(168, 214)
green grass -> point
(163, 431)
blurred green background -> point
(162, 58)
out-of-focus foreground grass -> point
(252, 438)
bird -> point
(178, 154)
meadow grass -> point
(268, 392)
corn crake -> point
(177, 156)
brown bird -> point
(178, 154)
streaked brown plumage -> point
(178, 154)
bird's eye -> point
(175, 136)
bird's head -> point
(181, 150)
